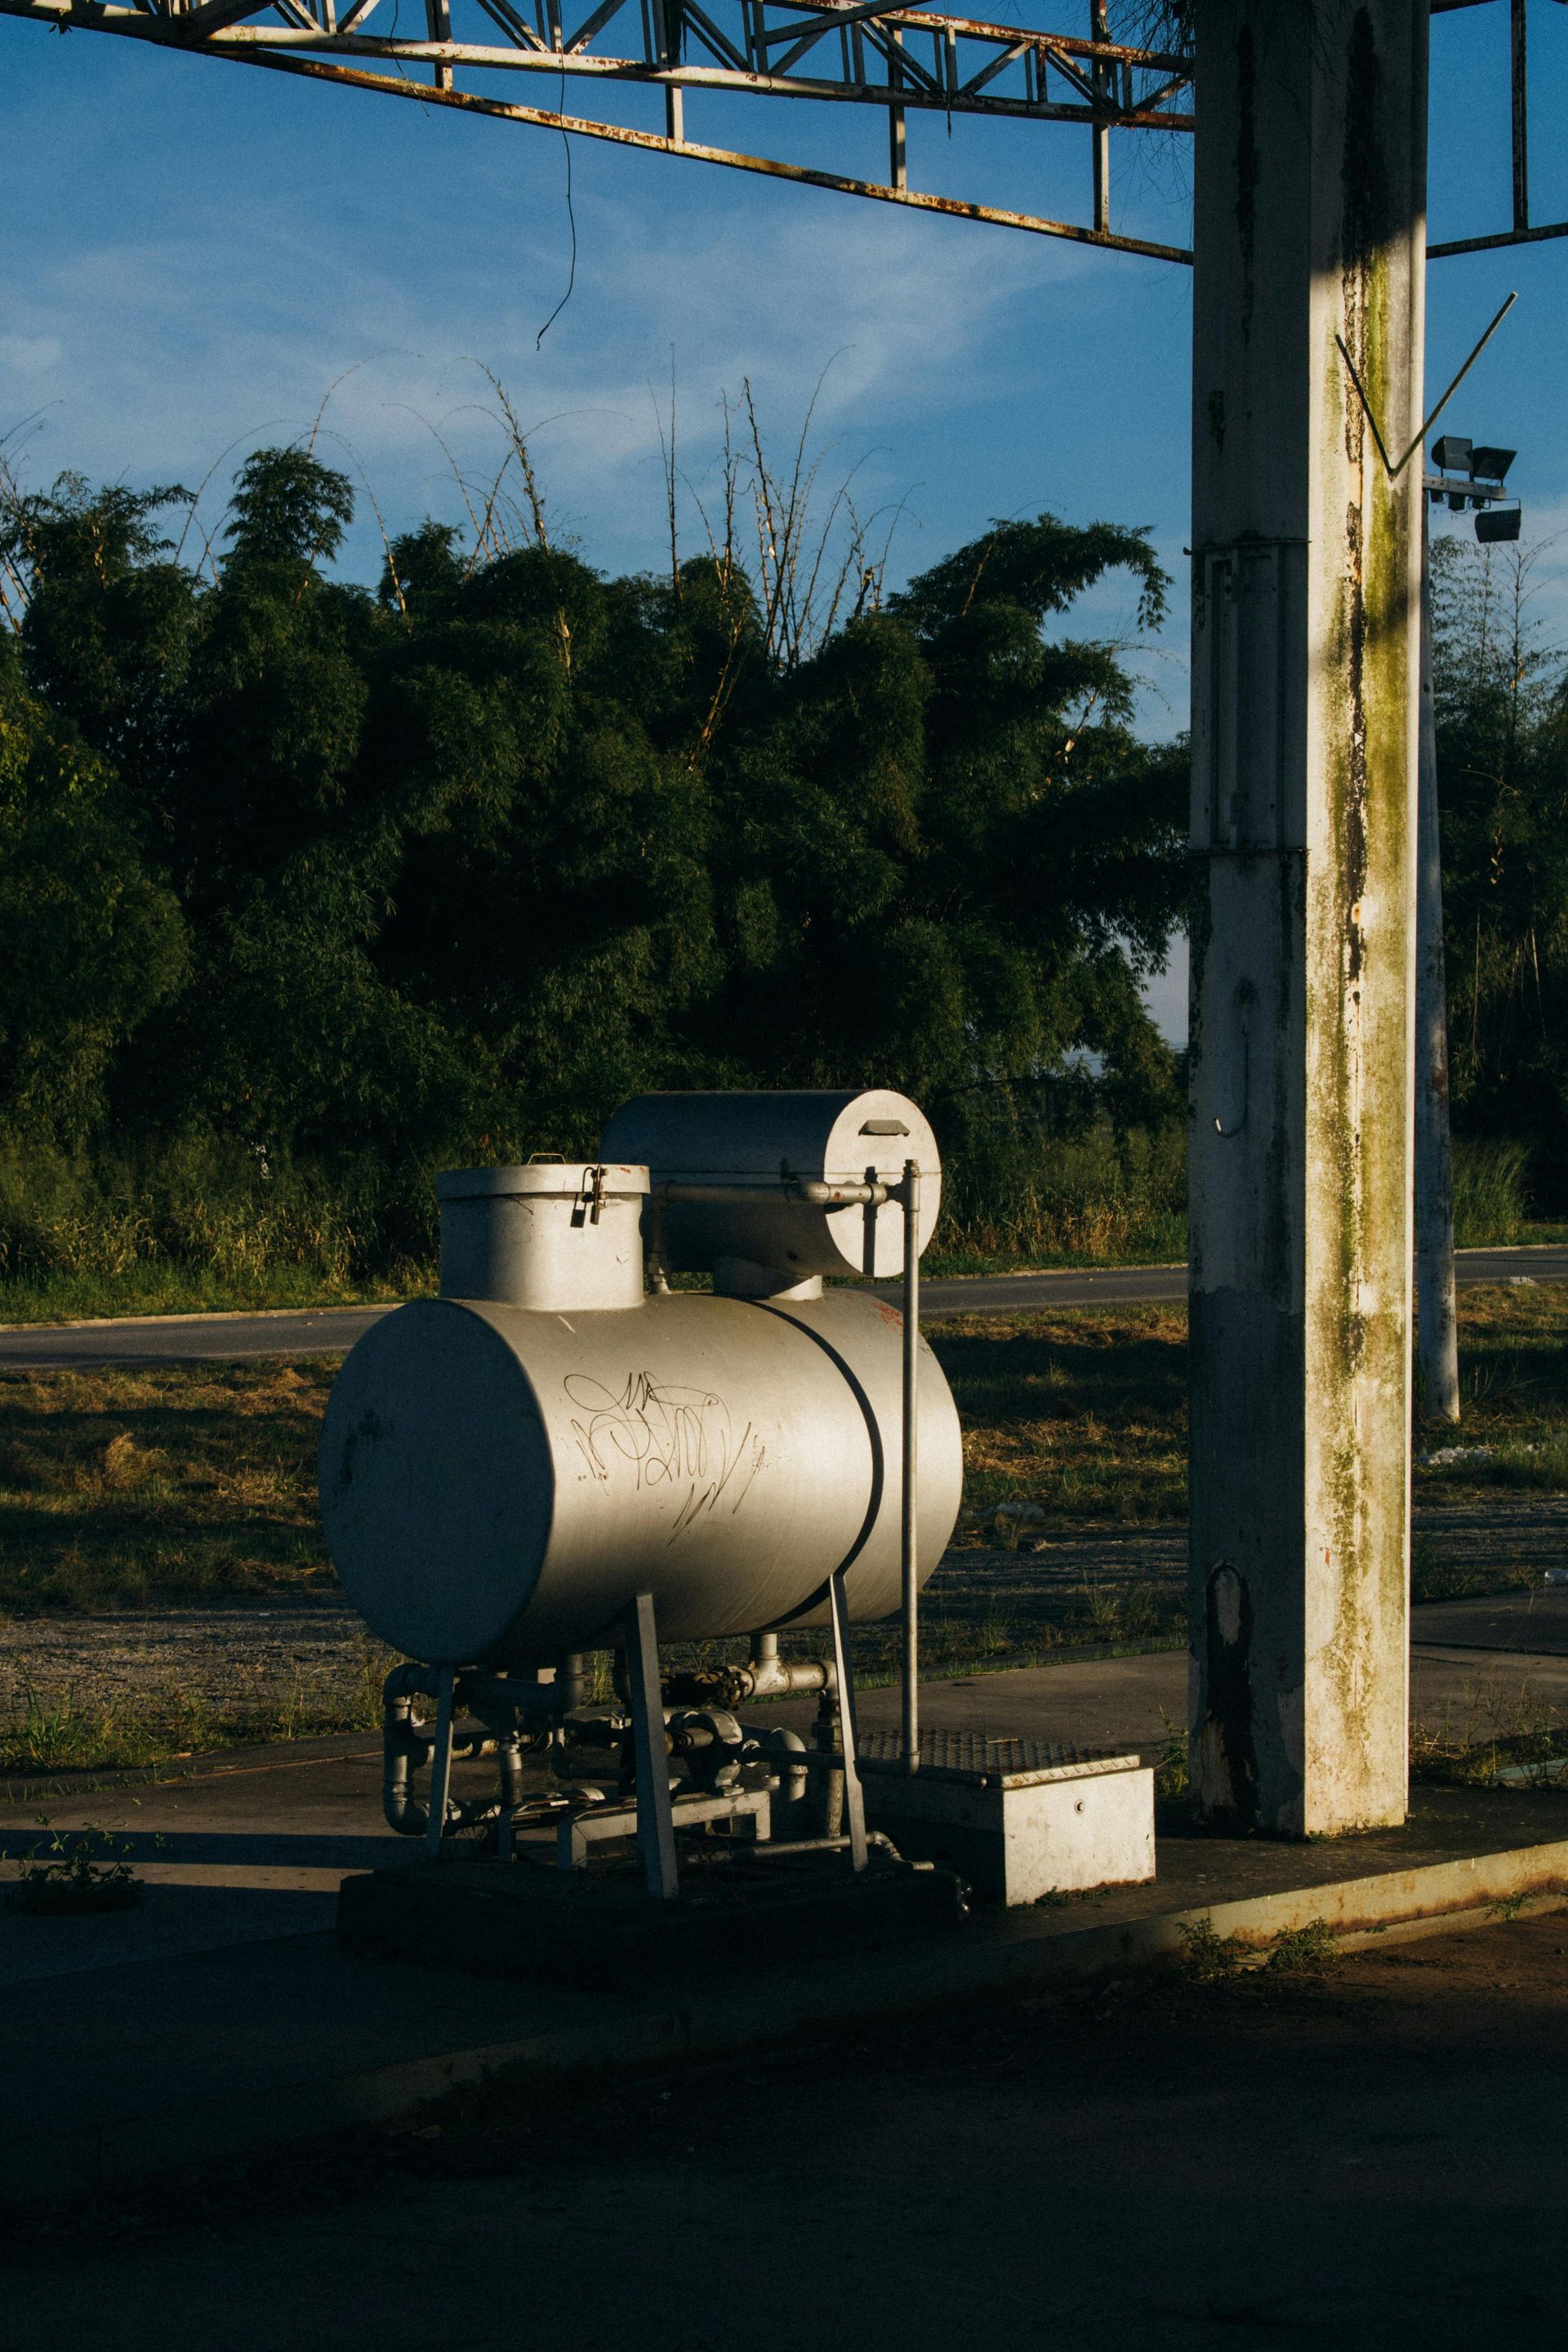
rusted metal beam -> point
(245, 40)
(1112, 85)
(1494, 243)
(897, 143)
(955, 208)
(1100, 79)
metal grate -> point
(973, 1751)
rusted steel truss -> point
(1522, 232)
(899, 59)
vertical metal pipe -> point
(656, 1815)
(1517, 62)
(1436, 1326)
(441, 1760)
(1099, 31)
(908, 1533)
(898, 149)
(854, 1795)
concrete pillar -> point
(1310, 181)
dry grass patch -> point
(1083, 1415)
(166, 1482)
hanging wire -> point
(571, 217)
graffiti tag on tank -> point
(669, 1437)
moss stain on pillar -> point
(1359, 1012)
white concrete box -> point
(1016, 1817)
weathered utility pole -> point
(1437, 1313)
(1309, 233)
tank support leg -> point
(854, 1798)
(656, 1815)
(440, 1761)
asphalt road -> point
(306, 1331)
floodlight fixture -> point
(1471, 476)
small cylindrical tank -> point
(553, 1233)
(762, 1147)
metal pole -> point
(1098, 30)
(898, 146)
(440, 1761)
(656, 1815)
(909, 1527)
(854, 1795)
(1437, 1324)
(1519, 77)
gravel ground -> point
(309, 1659)
(316, 1657)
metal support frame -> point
(1518, 114)
(872, 1196)
(1522, 233)
(1103, 88)
(854, 1795)
(440, 1761)
(655, 1814)
(594, 1824)
(864, 52)
(909, 1532)
(896, 58)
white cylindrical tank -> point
(498, 1482)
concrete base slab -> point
(220, 2017)
(736, 1914)
(143, 2064)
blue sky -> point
(190, 254)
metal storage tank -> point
(761, 1149)
(505, 1468)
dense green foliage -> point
(300, 876)
(1502, 768)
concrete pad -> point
(141, 2064)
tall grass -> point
(197, 1223)
(1034, 1199)
(1491, 1191)
(202, 1223)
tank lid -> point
(554, 1179)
